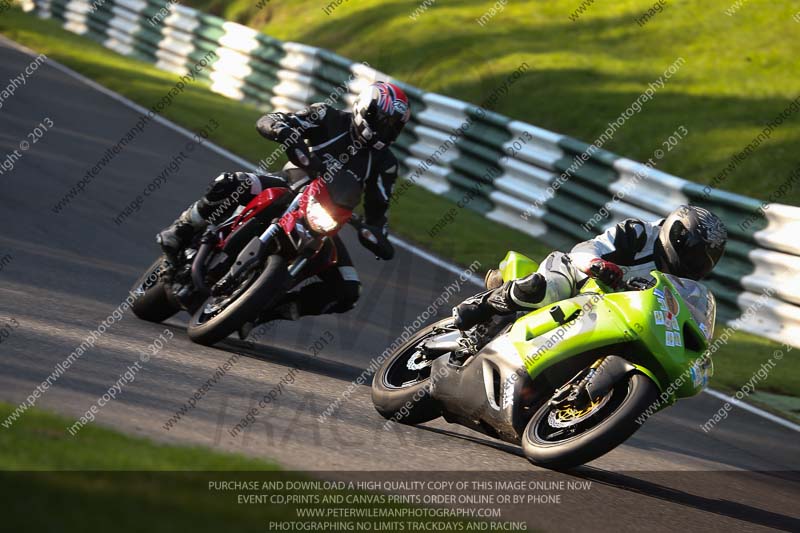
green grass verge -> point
(470, 237)
(740, 70)
(81, 501)
(102, 480)
(737, 362)
(40, 441)
(787, 406)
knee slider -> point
(493, 279)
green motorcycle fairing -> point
(667, 328)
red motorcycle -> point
(233, 272)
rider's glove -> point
(299, 154)
(605, 271)
(376, 240)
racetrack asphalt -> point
(68, 271)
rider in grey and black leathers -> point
(688, 243)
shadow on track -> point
(719, 506)
(643, 487)
(477, 438)
(284, 356)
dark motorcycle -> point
(234, 271)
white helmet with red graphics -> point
(379, 114)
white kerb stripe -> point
(755, 410)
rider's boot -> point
(477, 309)
(510, 297)
(473, 311)
(179, 234)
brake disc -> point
(414, 362)
(565, 417)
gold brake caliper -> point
(569, 413)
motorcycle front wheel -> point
(560, 437)
(219, 316)
(401, 386)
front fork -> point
(599, 379)
(257, 251)
(259, 248)
(576, 392)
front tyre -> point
(151, 298)
(401, 386)
(218, 317)
(560, 438)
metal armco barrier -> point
(508, 169)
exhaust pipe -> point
(440, 347)
(198, 270)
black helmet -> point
(690, 243)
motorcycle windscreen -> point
(701, 303)
(345, 189)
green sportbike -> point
(569, 382)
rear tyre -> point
(207, 327)
(151, 298)
(401, 386)
(549, 444)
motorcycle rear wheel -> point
(402, 394)
(262, 293)
(151, 298)
(614, 421)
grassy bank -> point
(469, 238)
(737, 362)
(101, 480)
(740, 70)
(40, 441)
(104, 500)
